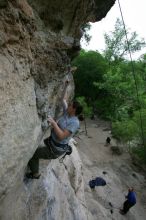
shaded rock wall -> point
(38, 39)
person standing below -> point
(131, 201)
(108, 141)
(61, 133)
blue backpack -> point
(98, 181)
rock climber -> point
(61, 132)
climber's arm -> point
(61, 134)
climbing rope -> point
(133, 73)
(110, 205)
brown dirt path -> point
(120, 175)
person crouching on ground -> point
(61, 133)
(131, 201)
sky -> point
(134, 13)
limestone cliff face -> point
(58, 194)
(38, 39)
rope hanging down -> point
(133, 72)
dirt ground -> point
(98, 160)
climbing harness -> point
(67, 152)
(49, 142)
(110, 205)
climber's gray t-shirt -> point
(66, 122)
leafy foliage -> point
(141, 153)
(116, 43)
(124, 130)
(87, 111)
(118, 85)
(114, 88)
(140, 119)
(90, 67)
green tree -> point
(124, 131)
(91, 67)
(116, 43)
(120, 93)
(87, 110)
(140, 119)
(118, 88)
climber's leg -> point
(40, 153)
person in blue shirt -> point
(61, 132)
(130, 201)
